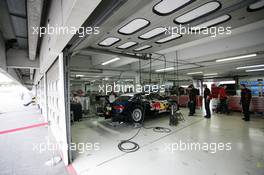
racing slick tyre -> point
(137, 114)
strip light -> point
(255, 70)
(168, 38)
(236, 58)
(228, 82)
(212, 22)
(205, 9)
(154, 32)
(165, 69)
(193, 73)
(109, 41)
(134, 26)
(256, 6)
(110, 61)
(127, 45)
(142, 48)
(166, 7)
(211, 74)
(253, 66)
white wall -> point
(56, 106)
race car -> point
(133, 107)
(158, 104)
(128, 107)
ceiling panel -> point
(17, 7)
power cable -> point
(135, 146)
(159, 129)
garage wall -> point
(66, 13)
(38, 98)
(41, 98)
(56, 105)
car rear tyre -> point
(137, 115)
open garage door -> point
(56, 106)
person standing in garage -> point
(222, 96)
(192, 99)
(245, 101)
(76, 107)
(207, 98)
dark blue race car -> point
(128, 108)
(133, 107)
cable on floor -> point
(159, 129)
(134, 147)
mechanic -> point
(207, 98)
(222, 96)
(192, 99)
(245, 101)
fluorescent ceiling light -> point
(109, 41)
(129, 80)
(211, 74)
(228, 82)
(110, 61)
(193, 73)
(236, 58)
(142, 48)
(253, 66)
(165, 69)
(198, 12)
(134, 26)
(165, 7)
(4, 78)
(169, 38)
(106, 78)
(184, 86)
(256, 6)
(210, 77)
(154, 32)
(212, 22)
(127, 45)
(79, 75)
(255, 70)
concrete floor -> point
(18, 155)
(154, 157)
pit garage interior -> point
(74, 79)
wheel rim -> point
(137, 115)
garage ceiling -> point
(17, 11)
(134, 23)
